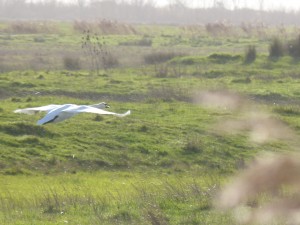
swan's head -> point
(101, 105)
(105, 105)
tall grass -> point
(107, 198)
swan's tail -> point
(124, 114)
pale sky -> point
(267, 4)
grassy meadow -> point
(163, 164)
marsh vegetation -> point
(194, 91)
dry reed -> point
(268, 191)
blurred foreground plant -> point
(268, 191)
(277, 177)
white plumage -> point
(58, 113)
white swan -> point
(58, 113)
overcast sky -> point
(267, 4)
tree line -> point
(142, 11)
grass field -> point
(165, 162)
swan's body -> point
(58, 113)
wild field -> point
(166, 162)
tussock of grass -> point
(18, 129)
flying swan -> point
(58, 113)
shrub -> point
(276, 49)
(250, 54)
(71, 63)
(97, 52)
(160, 57)
(294, 48)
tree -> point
(81, 3)
(235, 3)
(261, 5)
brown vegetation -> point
(270, 174)
(104, 27)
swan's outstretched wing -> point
(56, 115)
(89, 109)
(46, 108)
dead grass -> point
(104, 27)
(269, 174)
(30, 27)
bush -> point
(294, 48)
(71, 63)
(250, 54)
(97, 52)
(160, 57)
(276, 49)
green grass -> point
(161, 165)
(108, 198)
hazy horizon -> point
(146, 11)
(230, 4)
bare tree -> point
(81, 3)
(177, 2)
(261, 5)
(235, 3)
